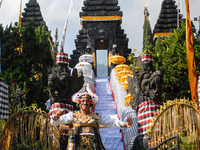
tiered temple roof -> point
(101, 29)
(168, 19)
(32, 10)
(101, 8)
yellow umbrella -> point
(117, 59)
(122, 67)
(123, 73)
(125, 78)
(120, 80)
(128, 99)
(125, 85)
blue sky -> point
(54, 13)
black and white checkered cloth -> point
(4, 100)
(146, 111)
(147, 58)
(66, 107)
(62, 58)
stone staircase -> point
(111, 137)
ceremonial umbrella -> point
(122, 73)
(128, 99)
(86, 58)
(117, 59)
(85, 67)
(122, 67)
(125, 85)
(125, 78)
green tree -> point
(170, 56)
(147, 33)
(31, 66)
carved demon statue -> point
(63, 84)
(145, 87)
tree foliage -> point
(31, 66)
(170, 56)
(147, 35)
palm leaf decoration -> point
(179, 117)
(29, 129)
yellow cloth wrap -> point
(95, 65)
(109, 61)
(160, 34)
(100, 18)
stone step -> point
(111, 137)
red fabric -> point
(56, 106)
(62, 58)
(146, 112)
(147, 58)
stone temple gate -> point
(101, 30)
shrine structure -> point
(101, 30)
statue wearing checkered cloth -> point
(145, 87)
(62, 85)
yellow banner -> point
(100, 18)
(19, 49)
(190, 56)
(95, 65)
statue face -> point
(151, 84)
(147, 67)
(156, 85)
(62, 68)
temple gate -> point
(101, 30)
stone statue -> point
(62, 85)
(58, 83)
(146, 84)
(145, 87)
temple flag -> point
(65, 27)
(19, 49)
(190, 56)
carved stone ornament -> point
(145, 85)
(62, 85)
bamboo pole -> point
(65, 27)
